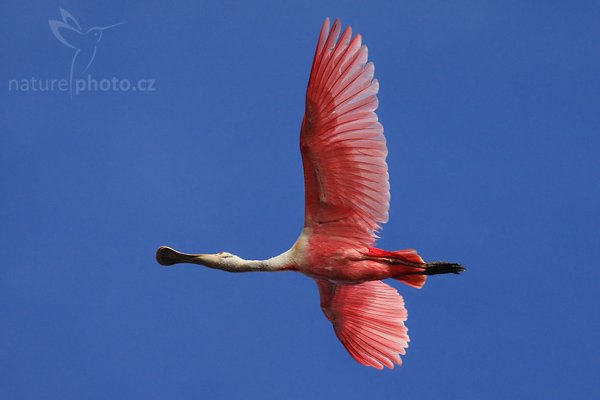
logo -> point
(84, 43)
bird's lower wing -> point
(368, 318)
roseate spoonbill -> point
(347, 198)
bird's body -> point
(347, 198)
(318, 258)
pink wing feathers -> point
(347, 192)
(342, 143)
(368, 318)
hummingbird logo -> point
(84, 43)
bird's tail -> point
(410, 268)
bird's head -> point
(96, 32)
(167, 256)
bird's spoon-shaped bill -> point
(167, 256)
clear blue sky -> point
(492, 114)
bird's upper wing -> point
(368, 318)
(342, 142)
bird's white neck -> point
(239, 264)
(226, 262)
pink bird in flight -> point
(347, 196)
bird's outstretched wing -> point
(342, 143)
(368, 318)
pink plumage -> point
(347, 197)
(368, 318)
(342, 143)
